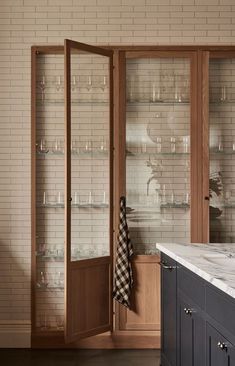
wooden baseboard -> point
(116, 340)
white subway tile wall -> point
(27, 22)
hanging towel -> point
(123, 279)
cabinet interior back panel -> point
(158, 151)
(222, 150)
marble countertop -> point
(215, 263)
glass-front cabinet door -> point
(88, 196)
(72, 199)
(160, 136)
(221, 141)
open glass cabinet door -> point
(88, 193)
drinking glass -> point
(223, 93)
(57, 146)
(59, 322)
(89, 84)
(159, 144)
(220, 144)
(173, 144)
(42, 87)
(43, 321)
(103, 83)
(58, 83)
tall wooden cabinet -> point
(152, 123)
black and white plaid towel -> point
(123, 279)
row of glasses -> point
(222, 94)
(52, 251)
(220, 146)
(50, 280)
(57, 146)
(88, 252)
(172, 144)
(58, 199)
(78, 82)
(160, 197)
(168, 85)
(45, 322)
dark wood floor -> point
(14, 357)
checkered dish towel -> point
(123, 279)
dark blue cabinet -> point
(198, 327)
(168, 313)
(220, 352)
(191, 334)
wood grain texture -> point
(194, 166)
(33, 188)
(205, 143)
(88, 290)
(145, 298)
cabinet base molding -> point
(15, 334)
(116, 340)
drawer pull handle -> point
(223, 346)
(188, 311)
(165, 266)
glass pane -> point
(222, 150)
(49, 186)
(89, 155)
(158, 151)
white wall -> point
(27, 22)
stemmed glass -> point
(103, 84)
(58, 83)
(42, 87)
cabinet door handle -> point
(188, 311)
(165, 266)
(223, 346)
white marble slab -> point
(215, 263)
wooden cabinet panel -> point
(145, 300)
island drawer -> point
(191, 285)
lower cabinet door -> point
(168, 312)
(191, 339)
(220, 352)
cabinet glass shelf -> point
(81, 154)
(73, 102)
(134, 207)
(157, 103)
(221, 153)
(50, 288)
(130, 154)
(49, 257)
(75, 205)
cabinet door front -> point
(168, 309)
(220, 190)
(219, 351)
(191, 335)
(160, 136)
(88, 200)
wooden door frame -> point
(78, 47)
(204, 60)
